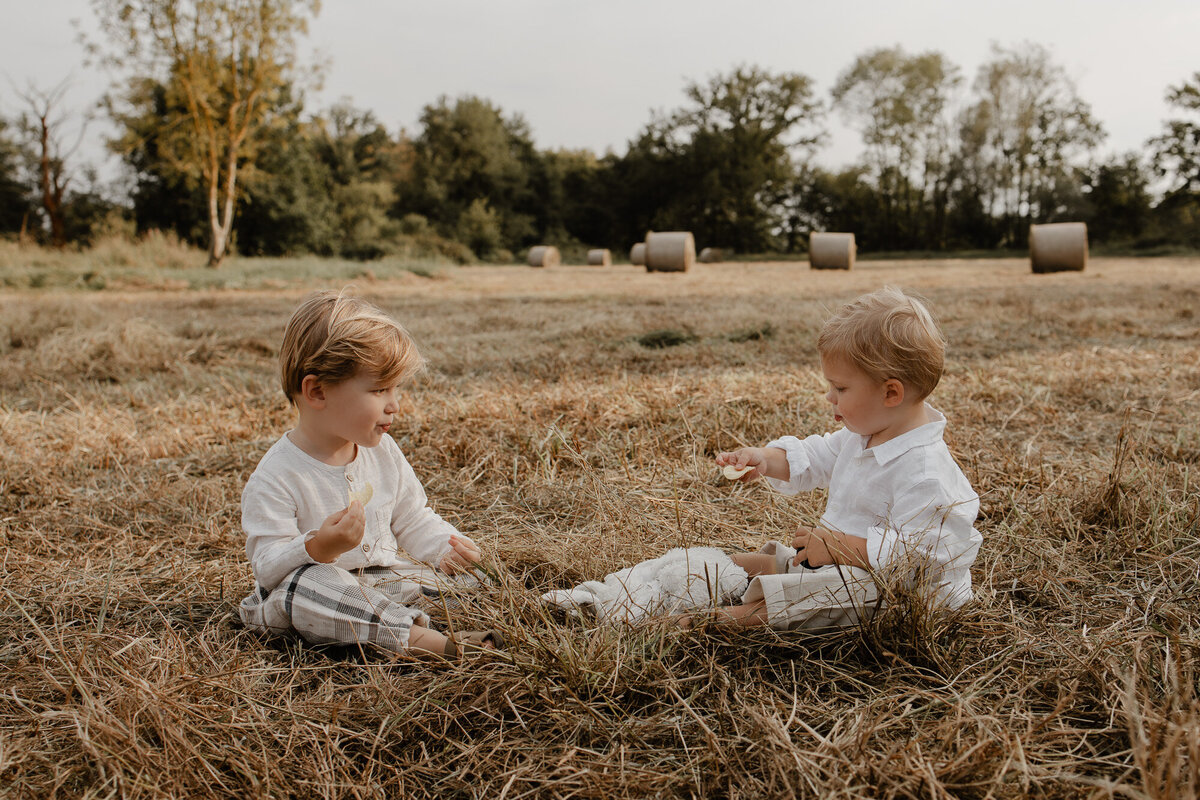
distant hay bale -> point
(711, 255)
(831, 250)
(544, 255)
(637, 254)
(600, 257)
(670, 251)
(1058, 247)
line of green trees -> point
(218, 148)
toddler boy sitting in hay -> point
(331, 504)
(898, 507)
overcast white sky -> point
(587, 74)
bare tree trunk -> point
(230, 197)
(51, 193)
(216, 239)
(53, 177)
(216, 250)
(221, 214)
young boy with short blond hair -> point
(332, 504)
(897, 499)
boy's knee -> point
(756, 563)
(781, 553)
(297, 597)
(326, 574)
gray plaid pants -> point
(325, 604)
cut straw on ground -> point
(567, 448)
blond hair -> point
(888, 334)
(333, 337)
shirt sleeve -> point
(418, 529)
(274, 541)
(810, 460)
(925, 527)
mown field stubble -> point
(568, 422)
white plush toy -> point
(680, 580)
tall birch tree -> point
(225, 62)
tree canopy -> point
(14, 201)
(1020, 138)
(220, 148)
(222, 65)
(1177, 149)
(900, 103)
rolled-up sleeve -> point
(419, 530)
(274, 542)
(925, 526)
(810, 460)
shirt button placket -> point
(366, 548)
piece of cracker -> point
(733, 473)
(363, 495)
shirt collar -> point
(295, 448)
(926, 434)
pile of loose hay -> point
(568, 449)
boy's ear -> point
(893, 393)
(312, 393)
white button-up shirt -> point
(291, 493)
(906, 497)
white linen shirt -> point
(291, 493)
(906, 497)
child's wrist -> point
(320, 551)
(835, 543)
(775, 463)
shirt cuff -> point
(437, 560)
(882, 544)
(430, 553)
(797, 461)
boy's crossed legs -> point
(325, 604)
(753, 613)
(784, 598)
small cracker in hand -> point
(363, 495)
(733, 473)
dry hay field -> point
(568, 422)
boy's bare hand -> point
(463, 553)
(341, 531)
(752, 457)
(812, 544)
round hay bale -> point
(637, 254)
(1058, 247)
(670, 251)
(831, 250)
(711, 255)
(544, 255)
(599, 257)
